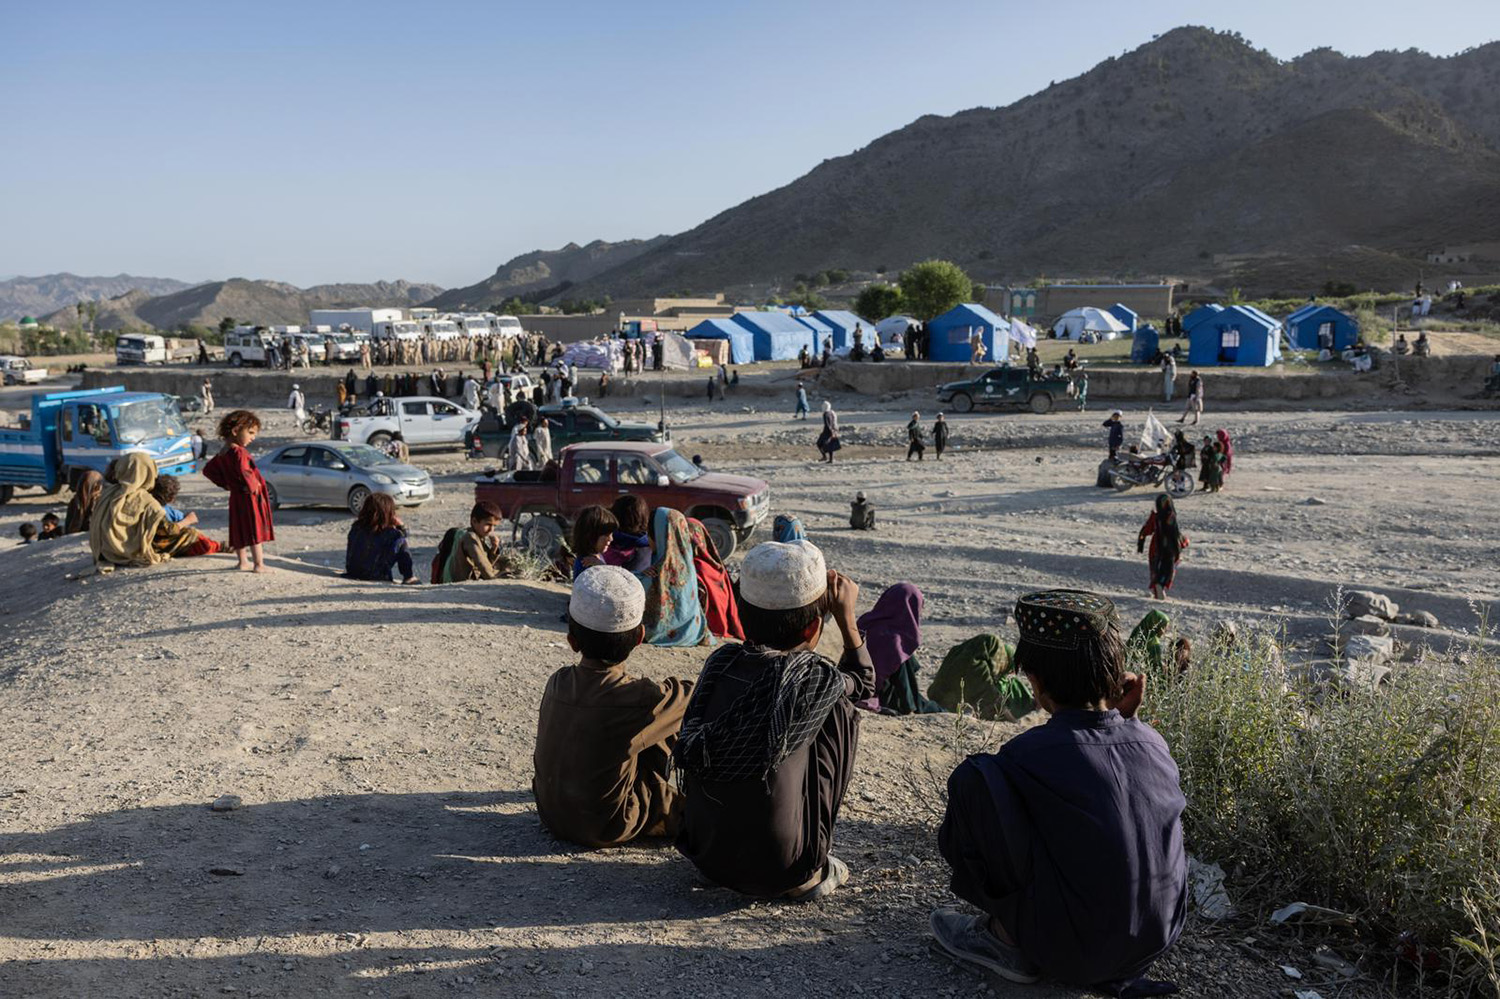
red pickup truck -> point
(542, 505)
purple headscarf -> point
(892, 630)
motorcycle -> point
(319, 419)
(1158, 470)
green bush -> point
(1385, 805)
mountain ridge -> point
(43, 294)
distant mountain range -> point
(266, 302)
(40, 296)
(1195, 154)
(545, 273)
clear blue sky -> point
(350, 141)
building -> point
(1239, 335)
(1320, 327)
(950, 335)
(1051, 300)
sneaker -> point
(967, 939)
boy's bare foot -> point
(261, 567)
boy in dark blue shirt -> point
(1070, 837)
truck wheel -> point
(1041, 402)
(271, 497)
(543, 536)
(357, 497)
(721, 533)
(963, 402)
(378, 439)
(235, 360)
(6, 492)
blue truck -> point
(68, 433)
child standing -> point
(249, 505)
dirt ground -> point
(380, 736)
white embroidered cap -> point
(607, 598)
(783, 575)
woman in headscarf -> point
(977, 675)
(787, 529)
(1167, 543)
(674, 611)
(714, 588)
(892, 631)
(1226, 451)
(1144, 647)
(1210, 465)
(85, 496)
(128, 526)
(828, 440)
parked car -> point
(420, 419)
(337, 473)
(542, 505)
(19, 371)
(1005, 386)
(568, 423)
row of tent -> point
(774, 335)
(1244, 335)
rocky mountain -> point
(1193, 154)
(543, 271)
(266, 302)
(40, 296)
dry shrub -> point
(1385, 804)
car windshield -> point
(365, 456)
(148, 420)
(678, 468)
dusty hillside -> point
(543, 270)
(40, 296)
(1191, 146)
(267, 302)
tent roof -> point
(815, 324)
(969, 314)
(1120, 307)
(1250, 310)
(840, 319)
(1093, 319)
(717, 329)
(1200, 313)
(769, 322)
(1311, 309)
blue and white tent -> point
(948, 334)
(741, 340)
(1239, 335)
(776, 335)
(1320, 327)
(843, 324)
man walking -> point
(801, 413)
(1168, 375)
(940, 435)
(1195, 399)
(206, 393)
(297, 403)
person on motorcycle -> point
(1116, 433)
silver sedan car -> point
(338, 473)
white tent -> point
(677, 353)
(1090, 319)
(894, 326)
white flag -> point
(1022, 334)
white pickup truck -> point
(420, 420)
(18, 371)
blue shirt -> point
(174, 515)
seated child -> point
(28, 533)
(51, 527)
(767, 744)
(630, 547)
(165, 492)
(592, 533)
(475, 553)
(861, 514)
(377, 543)
(604, 739)
(1069, 838)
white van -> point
(246, 345)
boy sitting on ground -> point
(51, 527)
(28, 533)
(165, 492)
(1070, 837)
(604, 740)
(861, 514)
(474, 553)
(767, 745)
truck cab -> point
(140, 348)
(69, 433)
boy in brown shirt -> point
(604, 739)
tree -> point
(933, 287)
(807, 298)
(226, 325)
(878, 301)
(979, 292)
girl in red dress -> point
(249, 506)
